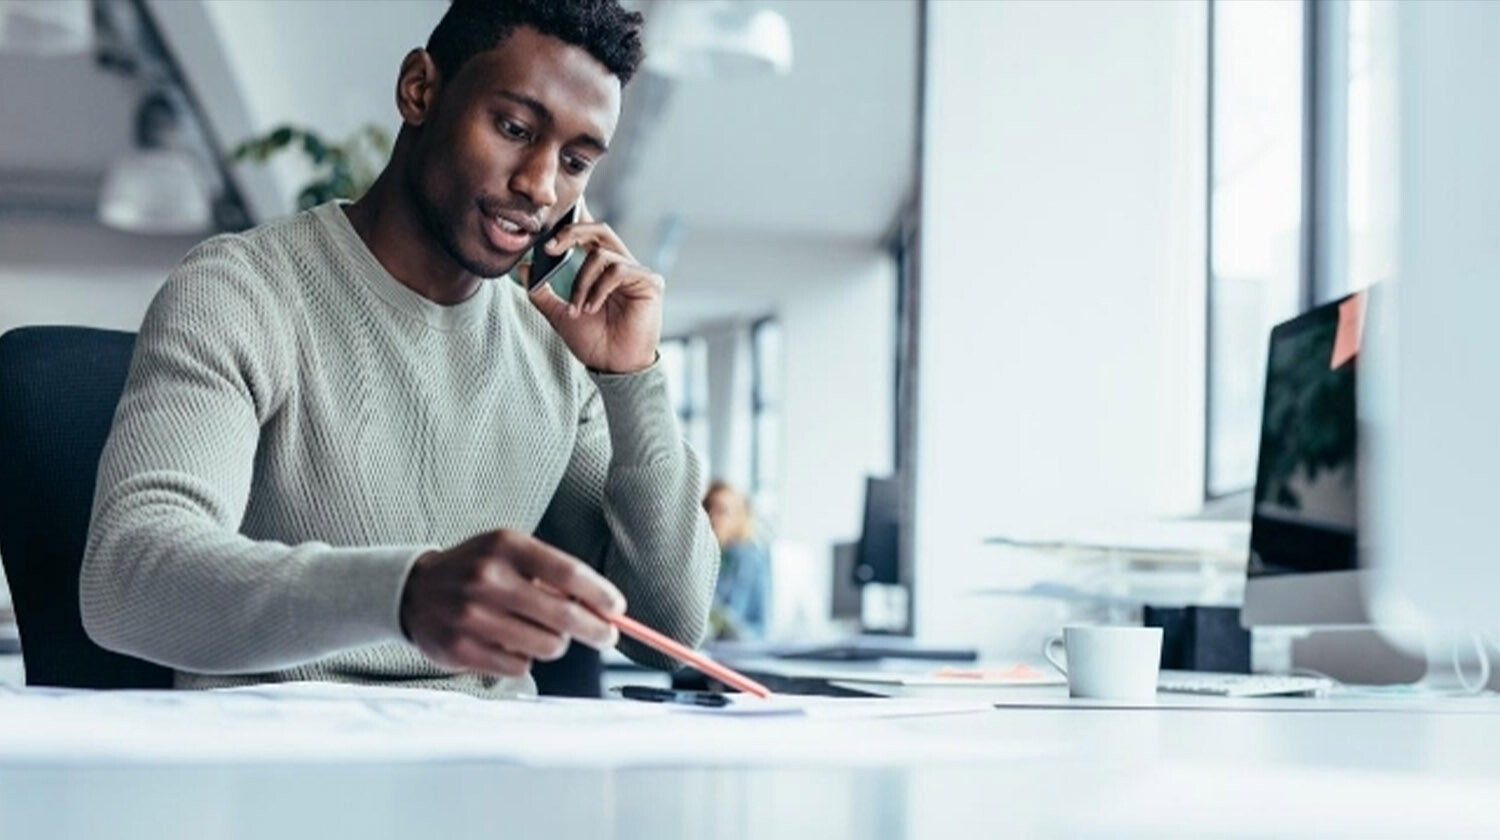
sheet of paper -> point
(336, 723)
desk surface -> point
(1071, 772)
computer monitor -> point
(877, 556)
(1304, 566)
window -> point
(1369, 170)
(765, 409)
(1302, 205)
(684, 361)
(1256, 218)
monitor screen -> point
(878, 551)
(1305, 517)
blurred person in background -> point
(739, 606)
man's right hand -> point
(478, 606)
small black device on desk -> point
(871, 651)
(652, 694)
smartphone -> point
(652, 694)
(558, 270)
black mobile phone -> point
(545, 267)
(652, 694)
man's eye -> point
(514, 130)
(577, 165)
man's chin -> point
(489, 264)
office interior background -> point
(1021, 257)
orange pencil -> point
(666, 644)
(646, 636)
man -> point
(318, 405)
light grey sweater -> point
(298, 427)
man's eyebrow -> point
(542, 113)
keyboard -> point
(1241, 685)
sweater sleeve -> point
(630, 504)
(166, 576)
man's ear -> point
(417, 87)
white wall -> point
(839, 395)
(1061, 378)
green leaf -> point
(314, 147)
(341, 182)
(312, 195)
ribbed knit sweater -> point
(298, 427)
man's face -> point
(508, 147)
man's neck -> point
(387, 221)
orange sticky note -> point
(1350, 332)
(1020, 672)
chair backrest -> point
(58, 391)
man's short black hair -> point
(469, 27)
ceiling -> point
(826, 150)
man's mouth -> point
(508, 233)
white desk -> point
(1093, 773)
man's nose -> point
(536, 177)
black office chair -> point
(58, 391)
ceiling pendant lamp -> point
(721, 38)
(158, 188)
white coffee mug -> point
(1108, 663)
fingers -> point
(593, 267)
(567, 574)
(512, 633)
(597, 235)
(472, 654)
(538, 584)
(614, 277)
(547, 608)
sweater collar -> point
(436, 315)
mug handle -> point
(1047, 652)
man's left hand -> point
(612, 323)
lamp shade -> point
(155, 191)
(46, 27)
(718, 38)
